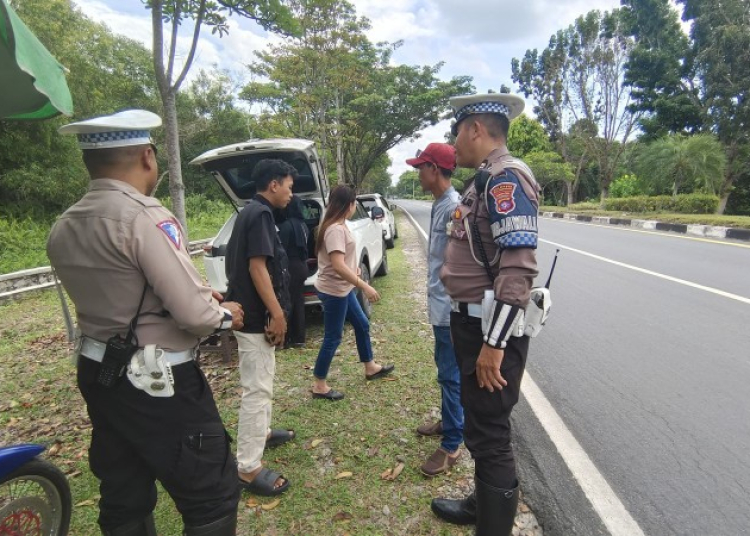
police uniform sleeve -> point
(161, 252)
(513, 208)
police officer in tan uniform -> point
(489, 268)
(141, 309)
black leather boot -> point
(496, 509)
(456, 511)
(226, 526)
(143, 527)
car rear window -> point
(237, 170)
(369, 203)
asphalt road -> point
(645, 359)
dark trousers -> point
(179, 441)
(487, 415)
(298, 273)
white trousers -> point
(257, 370)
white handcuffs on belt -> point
(149, 371)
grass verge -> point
(341, 450)
(740, 222)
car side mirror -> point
(377, 213)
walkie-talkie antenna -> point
(552, 270)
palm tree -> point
(684, 164)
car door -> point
(368, 235)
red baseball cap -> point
(442, 155)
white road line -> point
(602, 497)
(651, 272)
(613, 513)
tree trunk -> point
(176, 186)
(605, 195)
(570, 189)
(339, 144)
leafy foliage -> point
(683, 164)
(684, 203)
(578, 82)
(331, 84)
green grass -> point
(741, 222)
(365, 434)
(24, 241)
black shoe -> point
(456, 511)
(226, 526)
(496, 509)
(330, 395)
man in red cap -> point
(436, 164)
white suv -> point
(387, 221)
(232, 168)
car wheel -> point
(395, 231)
(383, 270)
(389, 242)
(363, 301)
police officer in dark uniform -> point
(490, 265)
(142, 308)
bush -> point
(625, 186)
(25, 239)
(588, 206)
(681, 204)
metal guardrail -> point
(23, 281)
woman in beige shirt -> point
(338, 275)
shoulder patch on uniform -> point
(502, 193)
(172, 229)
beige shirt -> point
(104, 250)
(514, 269)
(337, 238)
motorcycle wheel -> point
(35, 501)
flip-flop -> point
(279, 437)
(263, 483)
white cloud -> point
(407, 149)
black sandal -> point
(264, 483)
(279, 437)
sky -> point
(478, 38)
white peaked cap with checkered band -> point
(488, 103)
(123, 129)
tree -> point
(378, 180)
(408, 184)
(658, 70)
(683, 164)
(721, 45)
(334, 86)
(696, 84)
(270, 14)
(401, 100)
(579, 80)
(549, 169)
(527, 136)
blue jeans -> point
(449, 379)
(335, 311)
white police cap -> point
(123, 129)
(505, 104)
